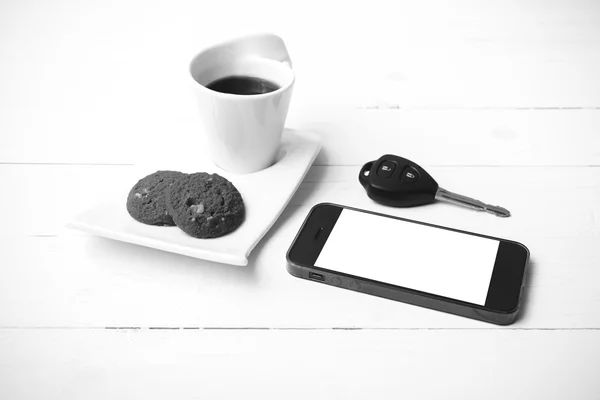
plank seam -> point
(170, 328)
(549, 108)
(329, 165)
(66, 163)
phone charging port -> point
(315, 276)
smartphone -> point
(445, 269)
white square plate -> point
(266, 193)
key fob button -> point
(386, 169)
(409, 175)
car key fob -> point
(398, 182)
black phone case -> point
(406, 295)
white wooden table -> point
(499, 100)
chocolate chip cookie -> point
(146, 200)
(205, 205)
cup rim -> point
(246, 96)
(241, 96)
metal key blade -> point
(458, 199)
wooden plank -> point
(82, 282)
(464, 54)
(114, 95)
(430, 137)
(456, 137)
(571, 195)
(54, 277)
(424, 364)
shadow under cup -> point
(243, 131)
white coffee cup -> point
(243, 131)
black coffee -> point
(242, 85)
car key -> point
(398, 182)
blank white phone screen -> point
(410, 255)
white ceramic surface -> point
(265, 194)
(243, 131)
